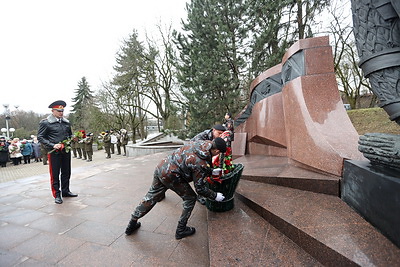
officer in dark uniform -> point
(52, 132)
(189, 163)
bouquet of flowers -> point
(22, 146)
(14, 148)
(65, 144)
(78, 135)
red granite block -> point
(240, 237)
(323, 225)
(305, 44)
(324, 62)
(284, 172)
(319, 131)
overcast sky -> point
(47, 46)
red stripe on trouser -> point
(53, 190)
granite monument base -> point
(374, 192)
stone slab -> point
(284, 172)
(240, 237)
(374, 192)
(323, 225)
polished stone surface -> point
(374, 192)
(322, 225)
(240, 237)
(239, 145)
(320, 133)
(282, 171)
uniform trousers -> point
(156, 193)
(59, 163)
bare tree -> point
(350, 79)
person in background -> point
(54, 133)
(15, 151)
(82, 145)
(190, 163)
(26, 151)
(3, 152)
(78, 137)
(118, 135)
(124, 138)
(228, 123)
(36, 149)
(107, 143)
(43, 151)
(114, 141)
(89, 146)
(74, 144)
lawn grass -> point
(372, 120)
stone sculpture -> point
(377, 34)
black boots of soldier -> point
(183, 231)
(132, 226)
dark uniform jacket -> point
(107, 140)
(89, 143)
(189, 163)
(52, 132)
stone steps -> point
(281, 171)
(288, 216)
(322, 225)
(241, 237)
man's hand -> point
(219, 197)
(57, 146)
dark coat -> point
(3, 151)
(52, 132)
(36, 150)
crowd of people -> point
(16, 151)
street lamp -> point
(12, 130)
(7, 114)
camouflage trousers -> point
(157, 191)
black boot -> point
(132, 226)
(201, 200)
(183, 231)
(58, 199)
(163, 196)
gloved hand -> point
(219, 197)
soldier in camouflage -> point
(210, 134)
(189, 163)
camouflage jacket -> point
(205, 135)
(189, 163)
